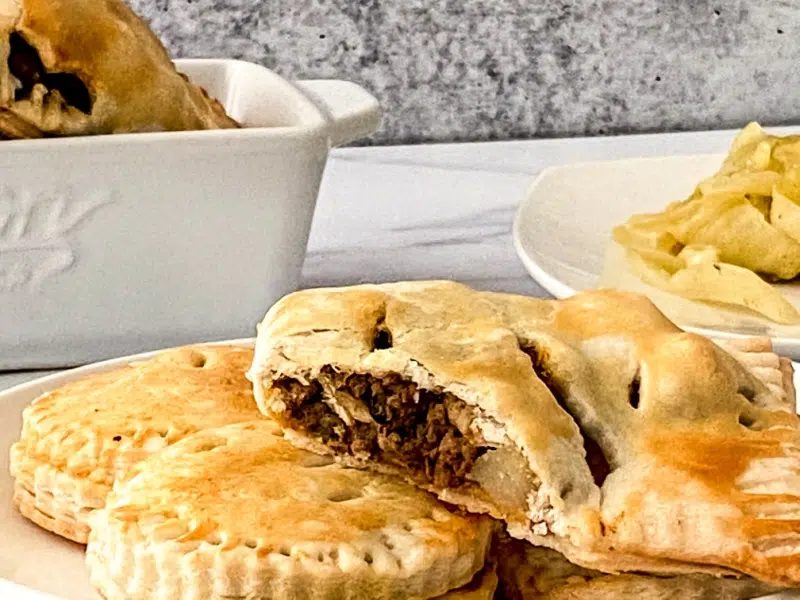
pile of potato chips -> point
(740, 228)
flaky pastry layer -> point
(531, 573)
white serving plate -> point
(562, 233)
(115, 244)
(38, 565)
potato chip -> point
(706, 279)
(741, 183)
(748, 143)
(738, 225)
(762, 204)
(785, 214)
(786, 153)
(695, 215)
(658, 248)
(743, 237)
(751, 135)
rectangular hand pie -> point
(593, 425)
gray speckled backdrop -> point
(449, 70)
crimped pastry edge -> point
(757, 355)
(174, 569)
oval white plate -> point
(562, 233)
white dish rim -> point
(561, 290)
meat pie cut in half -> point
(593, 425)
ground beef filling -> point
(422, 431)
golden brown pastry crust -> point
(77, 439)
(14, 127)
(239, 512)
(131, 81)
(702, 454)
(531, 573)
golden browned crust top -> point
(246, 514)
(96, 427)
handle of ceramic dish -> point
(352, 112)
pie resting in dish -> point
(592, 425)
(87, 67)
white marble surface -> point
(411, 212)
(444, 211)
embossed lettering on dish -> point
(36, 234)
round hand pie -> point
(591, 425)
(78, 438)
(238, 512)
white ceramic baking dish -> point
(116, 244)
